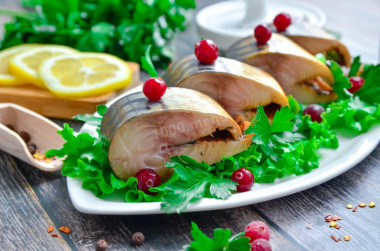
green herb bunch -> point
(124, 28)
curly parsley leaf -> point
(93, 119)
(191, 181)
(220, 242)
(341, 82)
(370, 91)
(359, 111)
(353, 114)
(355, 66)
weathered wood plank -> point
(360, 184)
(163, 232)
(23, 221)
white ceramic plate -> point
(332, 163)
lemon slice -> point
(6, 79)
(84, 74)
(25, 65)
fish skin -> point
(146, 134)
(316, 40)
(236, 86)
(288, 63)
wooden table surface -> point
(32, 200)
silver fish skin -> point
(316, 40)
(298, 72)
(237, 87)
(145, 134)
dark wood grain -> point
(31, 200)
(163, 232)
(23, 220)
(292, 213)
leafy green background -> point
(124, 28)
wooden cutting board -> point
(45, 103)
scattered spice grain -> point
(334, 218)
(65, 229)
(355, 208)
(347, 237)
(362, 204)
(349, 206)
(334, 238)
(332, 223)
(50, 229)
(54, 235)
(101, 245)
(338, 227)
(138, 238)
(32, 148)
(372, 204)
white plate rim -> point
(351, 150)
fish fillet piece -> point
(298, 72)
(237, 87)
(144, 134)
(316, 40)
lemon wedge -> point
(6, 79)
(84, 74)
(25, 65)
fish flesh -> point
(239, 88)
(145, 134)
(316, 40)
(298, 72)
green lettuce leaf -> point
(359, 111)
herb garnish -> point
(286, 147)
(221, 241)
(359, 111)
(124, 28)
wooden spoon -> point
(43, 133)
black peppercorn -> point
(10, 127)
(32, 148)
(138, 238)
(101, 245)
(25, 136)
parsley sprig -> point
(221, 241)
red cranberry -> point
(147, 178)
(262, 34)
(245, 179)
(260, 245)
(314, 111)
(206, 51)
(256, 230)
(154, 88)
(356, 82)
(282, 21)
